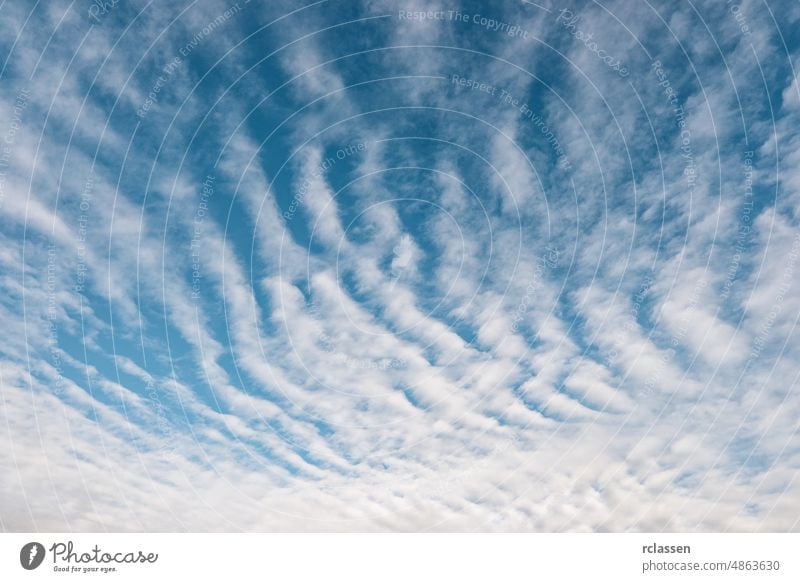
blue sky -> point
(372, 265)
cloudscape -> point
(388, 265)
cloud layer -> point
(401, 266)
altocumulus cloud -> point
(391, 265)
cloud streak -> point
(270, 268)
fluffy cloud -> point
(269, 268)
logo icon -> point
(31, 555)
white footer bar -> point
(400, 557)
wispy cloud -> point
(274, 267)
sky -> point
(381, 265)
